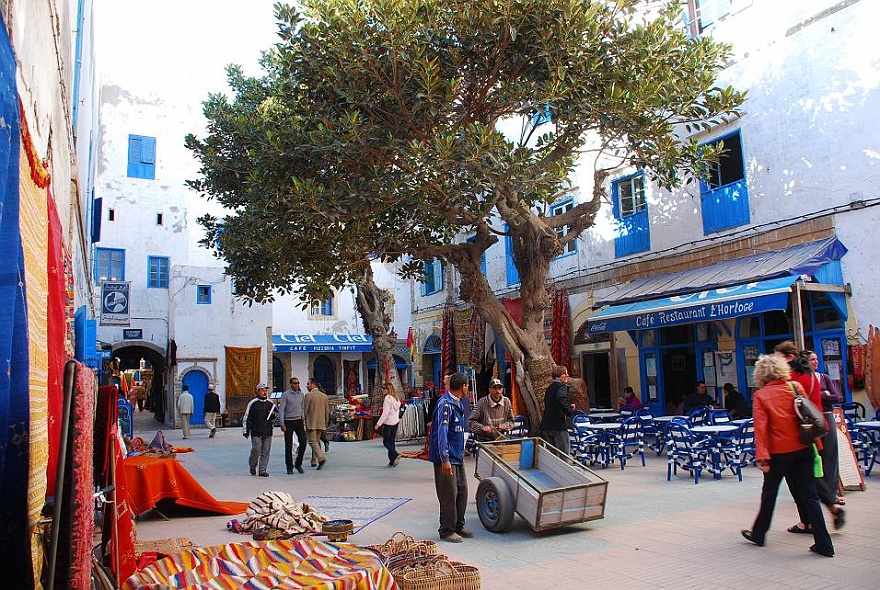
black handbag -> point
(811, 421)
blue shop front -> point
(712, 323)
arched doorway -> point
(431, 365)
(278, 383)
(325, 374)
(130, 355)
(197, 381)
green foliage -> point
(382, 128)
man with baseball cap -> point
(212, 409)
(258, 420)
(492, 416)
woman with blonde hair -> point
(780, 453)
(389, 421)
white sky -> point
(180, 48)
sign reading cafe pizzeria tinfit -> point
(115, 303)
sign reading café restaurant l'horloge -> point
(703, 306)
(322, 343)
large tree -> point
(383, 129)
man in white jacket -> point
(185, 409)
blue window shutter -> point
(512, 271)
(428, 279)
(141, 157)
(97, 212)
(148, 150)
(633, 234)
(438, 275)
(724, 197)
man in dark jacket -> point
(257, 424)
(212, 409)
(557, 410)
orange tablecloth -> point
(150, 479)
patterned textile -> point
(470, 338)
(351, 372)
(301, 563)
(122, 526)
(278, 511)
(242, 376)
(106, 412)
(447, 347)
(15, 540)
(560, 345)
(77, 525)
(57, 327)
(33, 215)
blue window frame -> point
(471, 240)
(157, 272)
(322, 308)
(109, 264)
(630, 208)
(203, 294)
(724, 192)
(541, 114)
(510, 266)
(432, 277)
(141, 156)
(559, 209)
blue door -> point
(325, 375)
(198, 387)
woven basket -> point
(441, 575)
(400, 542)
(417, 556)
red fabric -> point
(560, 345)
(514, 308)
(151, 479)
(56, 332)
(776, 424)
(122, 531)
(447, 348)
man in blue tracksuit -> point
(446, 452)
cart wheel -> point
(495, 504)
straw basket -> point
(417, 556)
(441, 575)
(400, 542)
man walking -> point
(557, 410)
(185, 409)
(257, 424)
(291, 410)
(212, 408)
(316, 411)
(446, 452)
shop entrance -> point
(679, 375)
(596, 371)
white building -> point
(798, 183)
(184, 319)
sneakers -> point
(464, 533)
(396, 461)
(299, 469)
(290, 472)
(213, 431)
(253, 470)
(452, 538)
(264, 474)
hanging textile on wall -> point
(242, 376)
(447, 347)
(15, 538)
(470, 336)
(351, 371)
(34, 205)
(560, 345)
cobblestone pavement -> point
(655, 534)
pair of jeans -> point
(292, 427)
(797, 470)
(389, 436)
(261, 446)
(452, 493)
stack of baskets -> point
(419, 565)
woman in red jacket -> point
(780, 454)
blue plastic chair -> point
(684, 451)
(719, 417)
(853, 411)
(126, 417)
(739, 449)
(629, 435)
(698, 417)
(520, 427)
(651, 430)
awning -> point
(702, 306)
(803, 259)
(322, 343)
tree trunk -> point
(535, 242)
(374, 306)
